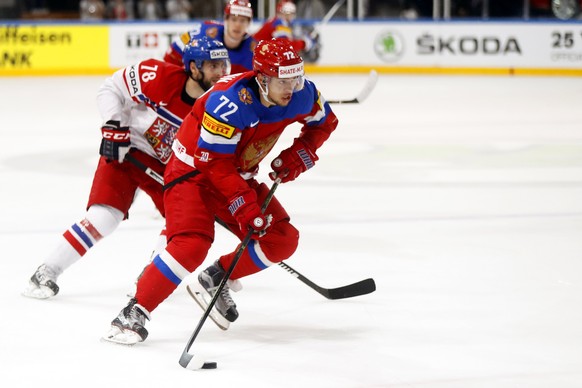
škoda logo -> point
(389, 46)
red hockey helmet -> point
(286, 7)
(277, 58)
(239, 7)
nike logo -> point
(162, 104)
(255, 123)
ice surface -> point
(460, 196)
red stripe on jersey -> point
(74, 243)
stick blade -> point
(364, 93)
(191, 362)
(370, 85)
(363, 287)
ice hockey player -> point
(233, 33)
(281, 26)
(216, 157)
(142, 107)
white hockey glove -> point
(115, 143)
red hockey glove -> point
(115, 143)
(293, 161)
(247, 213)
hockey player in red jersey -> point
(281, 26)
(217, 153)
(142, 107)
(233, 33)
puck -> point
(209, 365)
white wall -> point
(390, 44)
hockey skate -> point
(129, 326)
(43, 283)
(224, 311)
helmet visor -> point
(221, 66)
(282, 85)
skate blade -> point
(203, 298)
(38, 292)
(121, 337)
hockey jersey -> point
(150, 99)
(241, 57)
(229, 131)
(278, 28)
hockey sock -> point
(252, 260)
(160, 243)
(99, 222)
(159, 280)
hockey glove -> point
(308, 43)
(115, 143)
(247, 213)
(293, 161)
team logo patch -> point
(216, 127)
(212, 32)
(256, 151)
(245, 97)
(160, 136)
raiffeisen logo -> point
(389, 46)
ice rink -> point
(461, 196)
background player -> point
(281, 26)
(233, 33)
(216, 155)
(142, 107)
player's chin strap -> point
(265, 91)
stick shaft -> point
(235, 260)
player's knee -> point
(189, 249)
(284, 239)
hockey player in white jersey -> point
(142, 107)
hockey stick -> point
(151, 173)
(327, 17)
(187, 359)
(362, 287)
(364, 93)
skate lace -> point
(225, 295)
(46, 273)
(135, 316)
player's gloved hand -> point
(309, 43)
(115, 143)
(247, 213)
(293, 161)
